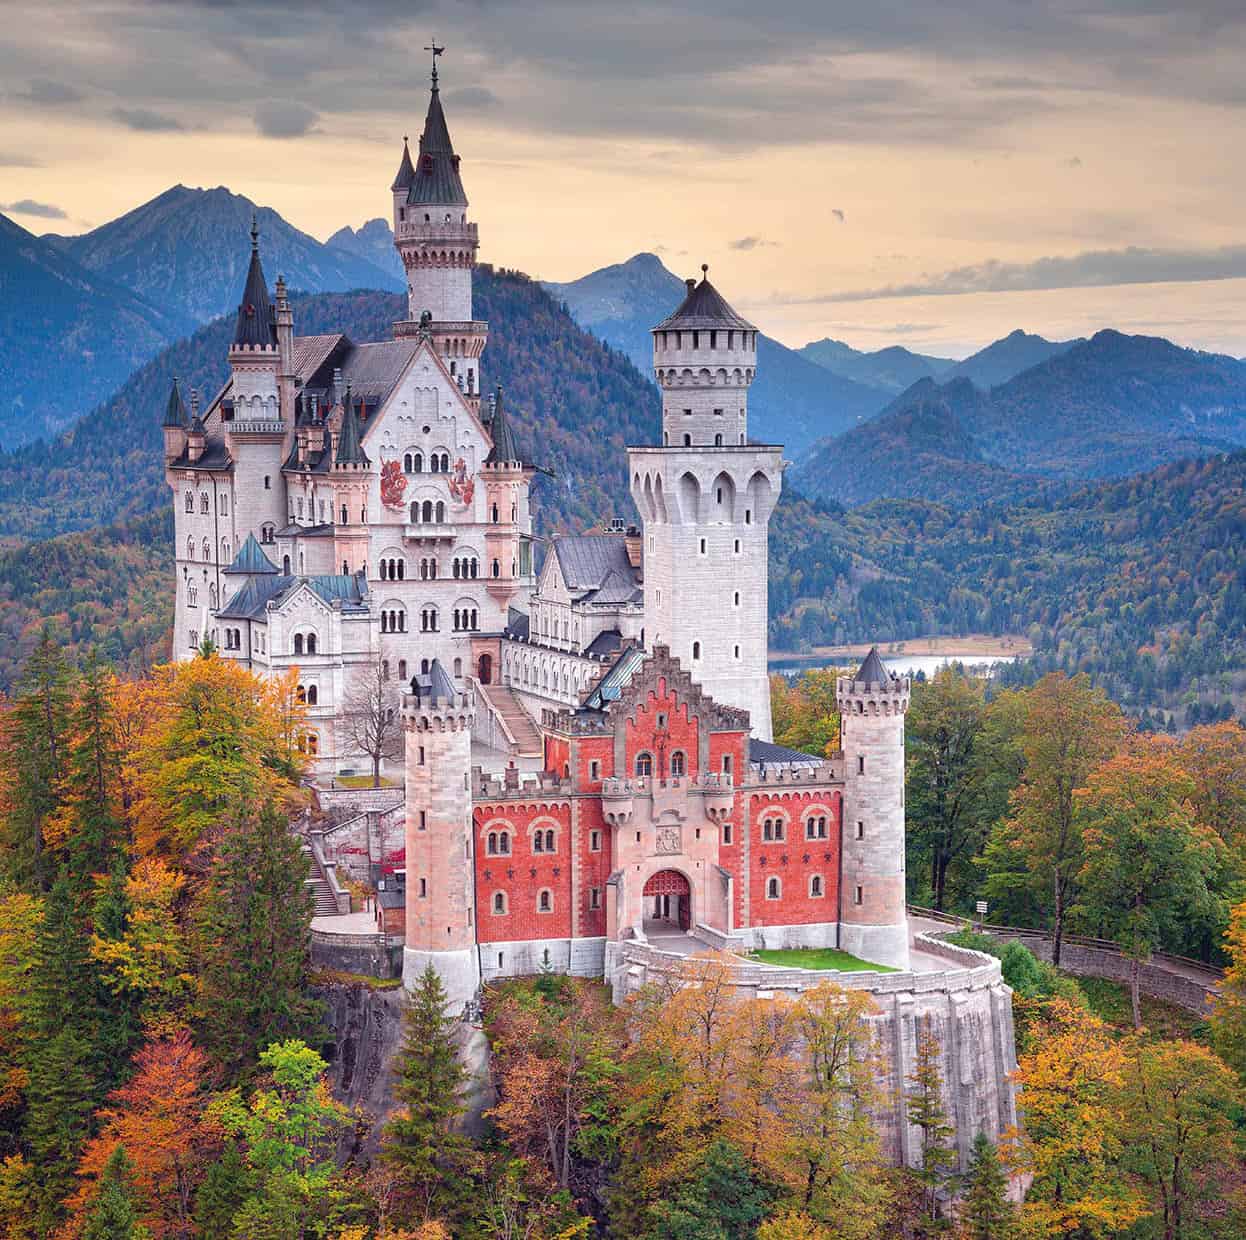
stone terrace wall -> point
(967, 1007)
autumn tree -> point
(1068, 728)
(805, 711)
(114, 1214)
(431, 1160)
(371, 719)
(252, 941)
(1179, 1106)
(1228, 1017)
(1146, 862)
(21, 917)
(926, 1112)
(33, 754)
(1214, 759)
(1071, 1142)
(158, 1118)
(986, 1213)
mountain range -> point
(793, 401)
(1105, 407)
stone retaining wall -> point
(342, 801)
(369, 955)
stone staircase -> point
(518, 722)
(325, 902)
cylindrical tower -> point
(441, 928)
(873, 923)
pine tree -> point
(987, 1213)
(432, 1160)
(926, 1112)
(115, 1213)
(32, 763)
(253, 942)
(227, 1184)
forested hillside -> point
(573, 400)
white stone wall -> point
(704, 388)
(705, 515)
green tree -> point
(928, 1114)
(1068, 727)
(33, 744)
(942, 733)
(252, 941)
(1146, 862)
(987, 1214)
(115, 1214)
(432, 1161)
(724, 1200)
(228, 1183)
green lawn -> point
(362, 781)
(818, 958)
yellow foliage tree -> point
(1228, 1018)
(793, 1225)
(20, 917)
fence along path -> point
(1191, 984)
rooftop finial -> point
(255, 234)
(436, 51)
(705, 270)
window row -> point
(466, 566)
(816, 887)
(304, 643)
(393, 569)
(544, 840)
(394, 620)
(713, 338)
(205, 503)
(438, 463)
(307, 695)
(678, 764)
(226, 548)
(429, 512)
(816, 828)
(544, 902)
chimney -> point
(690, 283)
(337, 386)
(635, 546)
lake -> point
(906, 664)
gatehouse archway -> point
(667, 902)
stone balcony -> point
(429, 531)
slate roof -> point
(371, 371)
(517, 624)
(251, 559)
(310, 352)
(251, 602)
(349, 449)
(255, 324)
(779, 755)
(306, 531)
(604, 644)
(611, 685)
(406, 173)
(704, 306)
(596, 567)
(215, 458)
(504, 447)
(175, 410)
(873, 671)
(432, 684)
(436, 177)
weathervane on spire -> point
(436, 51)
(255, 234)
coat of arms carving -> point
(667, 840)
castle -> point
(589, 778)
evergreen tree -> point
(115, 1213)
(32, 763)
(926, 1112)
(725, 1201)
(253, 941)
(227, 1184)
(431, 1160)
(987, 1214)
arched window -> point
(499, 902)
(298, 643)
(644, 764)
(207, 550)
(300, 695)
(267, 533)
(311, 643)
(212, 596)
(204, 505)
(815, 828)
(190, 501)
(545, 901)
(815, 886)
(441, 511)
(696, 650)
(549, 840)
(499, 843)
(773, 888)
(497, 569)
(402, 669)
(458, 667)
(678, 763)
(345, 518)
(225, 556)
(417, 463)
(538, 842)
(285, 565)
(190, 548)
(427, 511)
(313, 695)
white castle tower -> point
(874, 920)
(705, 498)
(438, 247)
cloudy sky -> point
(898, 171)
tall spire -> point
(406, 170)
(436, 180)
(504, 446)
(255, 325)
(349, 448)
(175, 410)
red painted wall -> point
(523, 874)
(794, 859)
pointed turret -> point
(436, 177)
(406, 172)
(251, 560)
(350, 451)
(175, 410)
(873, 671)
(255, 324)
(704, 307)
(504, 446)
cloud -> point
(40, 210)
(1092, 269)
(1073, 161)
(838, 214)
(472, 99)
(282, 119)
(144, 121)
(46, 92)
(750, 243)
(8, 159)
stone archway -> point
(667, 902)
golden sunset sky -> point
(924, 173)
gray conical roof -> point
(349, 446)
(251, 559)
(255, 325)
(175, 410)
(436, 179)
(504, 446)
(435, 683)
(873, 671)
(704, 306)
(406, 173)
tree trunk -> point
(1135, 974)
(376, 770)
(940, 880)
(1057, 938)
